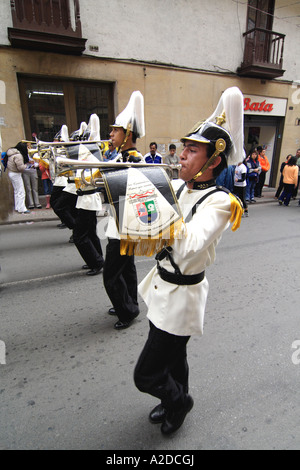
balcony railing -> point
(49, 25)
(263, 54)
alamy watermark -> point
(296, 92)
(2, 353)
(296, 354)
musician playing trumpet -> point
(175, 290)
(119, 273)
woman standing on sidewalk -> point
(30, 177)
(16, 166)
(265, 166)
(290, 181)
(254, 169)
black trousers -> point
(280, 187)
(162, 369)
(240, 191)
(56, 193)
(260, 184)
(120, 281)
(295, 191)
(86, 239)
(65, 208)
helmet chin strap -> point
(128, 130)
(220, 146)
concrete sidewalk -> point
(43, 215)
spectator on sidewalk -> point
(265, 166)
(47, 183)
(280, 186)
(30, 177)
(111, 153)
(253, 171)
(172, 159)
(153, 156)
(16, 166)
(290, 181)
(295, 192)
(239, 188)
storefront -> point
(263, 123)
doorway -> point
(265, 131)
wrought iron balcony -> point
(47, 25)
(263, 54)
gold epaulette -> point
(135, 153)
(237, 211)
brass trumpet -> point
(48, 151)
(59, 165)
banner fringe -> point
(150, 246)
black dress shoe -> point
(61, 225)
(94, 271)
(112, 311)
(121, 325)
(158, 414)
(174, 419)
(85, 266)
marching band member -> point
(63, 198)
(119, 273)
(88, 204)
(176, 299)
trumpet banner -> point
(145, 209)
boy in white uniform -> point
(176, 290)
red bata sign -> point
(262, 106)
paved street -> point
(67, 378)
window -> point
(263, 54)
(260, 14)
(48, 104)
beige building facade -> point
(170, 97)
(40, 90)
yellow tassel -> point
(237, 211)
(151, 246)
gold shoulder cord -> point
(128, 130)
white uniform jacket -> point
(88, 202)
(60, 181)
(179, 309)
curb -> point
(42, 217)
